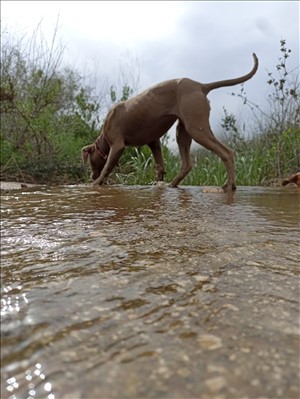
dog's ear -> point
(86, 151)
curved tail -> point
(207, 87)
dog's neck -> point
(102, 147)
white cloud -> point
(202, 40)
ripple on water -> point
(149, 292)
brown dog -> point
(294, 179)
(143, 119)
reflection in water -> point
(37, 385)
(149, 292)
(11, 302)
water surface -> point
(149, 292)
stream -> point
(149, 292)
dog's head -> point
(96, 157)
(293, 179)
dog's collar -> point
(100, 152)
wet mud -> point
(149, 292)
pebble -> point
(210, 342)
(215, 384)
(201, 278)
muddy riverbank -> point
(149, 292)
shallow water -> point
(149, 292)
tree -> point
(47, 114)
(283, 109)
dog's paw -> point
(161, 183)
(226, 188)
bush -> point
(47, 113)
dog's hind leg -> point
(204, 136)
(184, 144)
(194, 114)
(155, 147)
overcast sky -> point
(205, 41)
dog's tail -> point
(207, 87)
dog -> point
(145, 118)
(292, 180)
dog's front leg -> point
(155, 147)
(113, 158)
(184, 142)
